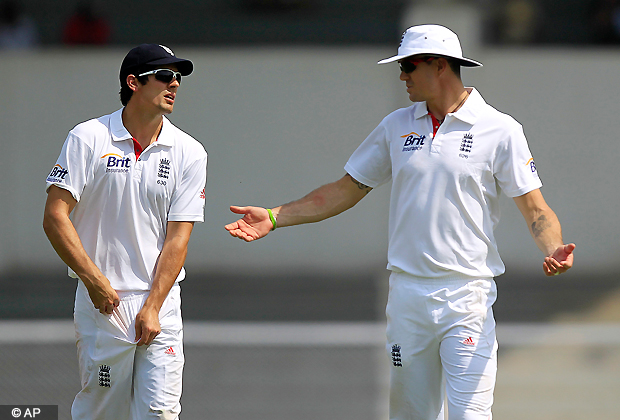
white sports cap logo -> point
(168, 50)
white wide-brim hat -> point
(431, 40)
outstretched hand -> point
(254, 225)
(560, 261)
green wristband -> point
(273, 219)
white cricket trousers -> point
(121, 381)
(441, 342)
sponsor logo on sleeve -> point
(116, 163)
(532, 165)
(57, 174)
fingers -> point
(107, 308)
(235, 228)
(254, 225)
(231, 226)
(560, 261)
(146, 339)
(139, 333)
(238, 233)
(104, 298)
(238, 209)
(144, 335)
(552, 267)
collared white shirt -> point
(124, 202)
(444, 202)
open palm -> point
(254, 224)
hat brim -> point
(465, 62)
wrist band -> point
(273, 219)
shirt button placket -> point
(137, 169)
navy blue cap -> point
(151, 55)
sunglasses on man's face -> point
(409, 65)
(164, 75)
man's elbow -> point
(52, 219)
(48, 223)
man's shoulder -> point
(93, 126)
(493, 113)
(188, 143)
(403, 114)
(488, 114)
(92, 132)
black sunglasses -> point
(409, 65)
(164, 75)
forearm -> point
(169, 266)
(326, 201)
(546, 230)
(542, 222)
(67, 244)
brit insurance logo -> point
(116, 163)
(58, 174)
(413, 141)
(532, 165)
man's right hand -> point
(254, 225)
(103, 296)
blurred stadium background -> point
(283, 91)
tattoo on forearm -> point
(540, 225)
(361, 186)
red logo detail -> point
(469, 342)
(202, 194)
(170, 351)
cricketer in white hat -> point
(449, 157)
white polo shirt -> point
(124, 203)
(445, 194)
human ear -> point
(132, 82)
(442, 65)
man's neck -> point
(144, 128)
(451, 101)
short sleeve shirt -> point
(444, 203)
(124, 202)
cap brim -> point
(185, 66)
(466, 62)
